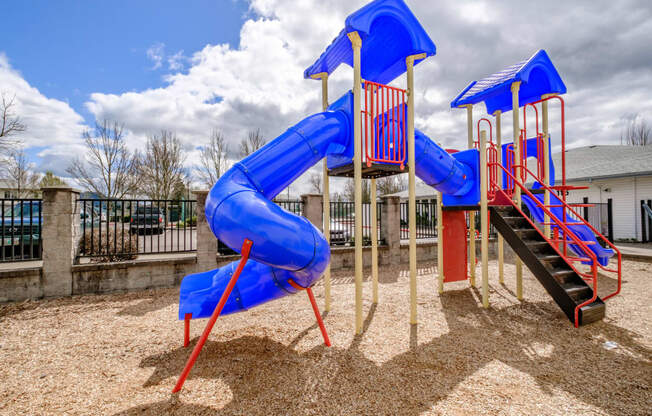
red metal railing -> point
(384, 124)
(568, 237)
(492, 155)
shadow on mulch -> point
(268, 377)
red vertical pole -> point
(394, 132)
(246, 249)
(377, 115)
(186, 329)
(315, 309)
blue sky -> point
(70, 48)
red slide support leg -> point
(186, 329)
(246, 249)
(315, 309)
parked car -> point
(147, 219)
(20, 230)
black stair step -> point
(549, 257)
(525, 233)
(536, 245)
(562, 275)
(577, 291)
(592, 312)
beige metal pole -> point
(501, 242)
(469, 122)
(517, 192)
(356, 43)
(484, 219)
(326, 195)
(412, 203)
(440, 242)
(374, 242)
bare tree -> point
(391, 184)
(10, 123)
(315, 182)
(20, 175)
(251, 143)
(161, 168)
(213, 159)
(50, 179)
(349, 191)
(109, 169)
(636, 132)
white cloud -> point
(53, 127)
(156, 53)
(177, 61)
(600, 48)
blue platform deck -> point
(389, 33)
(538, 76)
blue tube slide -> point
(286, 246)
(581, 231)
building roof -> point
(599, 162)
(389, 33)
(538, 76)
(421, 190)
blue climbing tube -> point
(287, 246)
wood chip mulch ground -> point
(121, 354)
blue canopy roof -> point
(389, 33)
(538, 76)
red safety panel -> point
(454, 246)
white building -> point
(620, 173)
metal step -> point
(562, 275)
(577, 291)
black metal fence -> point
(426, 219)
(113, 229)
(20, 229)
(342, 224)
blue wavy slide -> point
(287, 246)
(582, 232)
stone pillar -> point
(60, 236)
(206, 240)
(391, 227)
(313, 209)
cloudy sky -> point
(234, 65)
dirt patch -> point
(121, 354)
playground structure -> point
(369, 133)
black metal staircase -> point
(565, 286)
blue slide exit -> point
(287, 246)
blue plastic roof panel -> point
(537, 74)
(389, 33)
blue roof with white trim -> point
(389, 33)
(537, 74)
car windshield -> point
(23, 210)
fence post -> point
(643, 228)
(313, 210)
(390, 230)
(610, 218)
(206, 241)
(60, 237)
(585, 200)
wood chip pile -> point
(121, 354)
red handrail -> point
(382, 102)
(569, 260)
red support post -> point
(186, 329)
(246, 249)
(315, 309)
